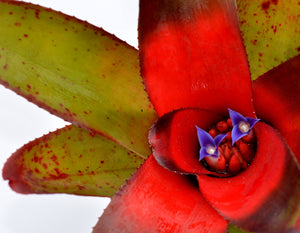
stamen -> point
(210, 150)
(244, 127)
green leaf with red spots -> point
(270, 29)
(76, 71)
(70, 160)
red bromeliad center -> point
(232, 158)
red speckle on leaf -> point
(28, 86)
(265, 5)
(17, 24)
(254, 42)
(102, 161)
(80, 187)
(37, 170)
(37, 159)
(298, 49)
(50, 17)
(10, 13)
(25, 35)
(92, 134)
(260, 54)
(60, 175)
(37, 14)
(54, 159)
(274, 28)
(275, 2)
(244, 21)
(5, 66)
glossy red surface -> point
(157, 200)
(192, 56)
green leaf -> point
(76, 71)
(70, 160)
(270, 29)
(234, 229)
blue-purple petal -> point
(236, 117)
(203, 153)
(219, 138)
(252, 121)
(236, 134)
(204, 138)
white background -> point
(21, 121)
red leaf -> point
(277, 100)
(157, 200)
(266, 196)
(192, 55)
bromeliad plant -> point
(195, 70)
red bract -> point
(194, 68)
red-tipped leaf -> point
(70, 160)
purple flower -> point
(241, 125)
(209, 145)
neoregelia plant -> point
(197, 59)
